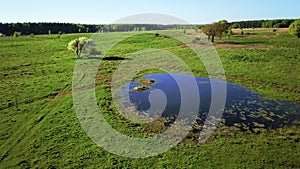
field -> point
(40, 129)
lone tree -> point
(209, 31)
(83, 44)
(216, 29)
(295, 28)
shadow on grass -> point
(111, 58)
(115, 58)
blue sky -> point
(107, 11)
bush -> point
(1, 34)
(17, 34)
(32, 35)
(295, 28)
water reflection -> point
(244, 109)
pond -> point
(244, 108)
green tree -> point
(83, 44)
(216, 29)
(268, 24)
(208, 30)
(295, 28)
(223, 22)
(77, 45)
(80, 28)
(222, 27)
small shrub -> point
(32, 35)
(1, 34)
(17, 34)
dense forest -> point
(278, 23)
(45, 28)
(8, 29)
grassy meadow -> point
(40, 129)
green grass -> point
(39, 127)
(273, 72)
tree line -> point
(9, 29)
(140, 27)
(277, 23)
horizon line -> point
(147, 23)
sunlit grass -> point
(39, 127)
